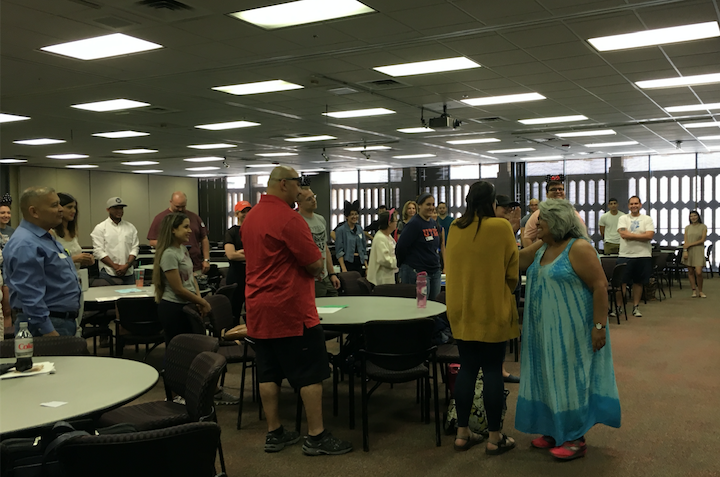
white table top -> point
(145, 256)
(219, 265)
(100, 294)
(361, 309)
(88, 384)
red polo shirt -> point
(280, 293)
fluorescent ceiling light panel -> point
(612, 144)
(709, 138)
(276, 154)
(228, 125)
(596, 132)
(121, 134)
(68, 156)
(628, 153)
(542, 158)
(368, 148)
(139, 163)
(8, 118)
(110, 105)
(414, 156)
(701, 125)
(713, 148)
(522, 149)
(212, 146)
(660, 36)
(555, 119)
(260, 165)
(204, 168)
(202, 175)
(147, 171)
(473, 141)
(425, 67)
(82, 166)
(310, 138)
(415, 130)
(358, 113)
(508, 98)
(135, 151)
(257, 88)
(301, 12)
(12, 161)
(681, 81)
(204, 159)
(39, 142)
(105, 46)
(692, 107)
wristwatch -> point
(206, 260)
(599, 326)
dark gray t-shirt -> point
(318, 228)
(177, 258)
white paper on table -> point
(53, 404)
(324, 310)
(45, 367)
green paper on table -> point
(129, 290)
(330, 309)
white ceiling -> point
(523, 46)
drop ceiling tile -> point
(566, 7)
(480, 44)
(664, 16)
(428, 18)
(540, 36)
(587, 60)
(496, 13)
(564, 50)
(593, 72)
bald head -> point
(178, 202)
(284, 184)
(41, 206)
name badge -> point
(62, 256)
(359, 235)
(429, 238)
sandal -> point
(470, 441)
(570, 450)
(503, 445)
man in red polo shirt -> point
(282, 262)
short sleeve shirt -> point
(177, 258)
(236, 273)
(280, 294)
(610, 222)
(318, 229)
(637, 225)
(199, 232)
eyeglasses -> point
(296, 179)
(556, 189)
(311, 198)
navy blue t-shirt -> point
(418, 245)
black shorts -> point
(302, 360)
(637, 270)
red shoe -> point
(543, 442)
(570, 450)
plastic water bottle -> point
(23, 348)
(421, 287)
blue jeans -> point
(126, 280)
(62, 326)
(409, 275)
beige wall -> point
(146, 195)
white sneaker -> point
(636, 311)
(612, 314)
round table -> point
(361, 309)
(88, 384)
(100, 294)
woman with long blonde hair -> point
(175, 284)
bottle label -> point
(23, 348)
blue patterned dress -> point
(566, 388)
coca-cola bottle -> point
(23, 348)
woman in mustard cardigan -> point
(481, 273)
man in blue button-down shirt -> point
(44, 287)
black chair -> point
(676, 269)
(138, 318)
(615, 285)
(97, 317)
(179, 357)
(659, 273)
(349, 284)
(365, 286)
(188, 449)
(229, 291)
(708, 259)
(399, 290)
(446, 355)
(49, 346)
(399, 352)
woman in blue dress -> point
(568, 382)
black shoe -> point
(276, 443)
(511, 379)
(328, 445)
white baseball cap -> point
(115, 202)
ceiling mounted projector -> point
(444, 122)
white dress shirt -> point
(117, 241)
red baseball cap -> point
(242, 205)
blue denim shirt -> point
(40, 274)
(349, 243)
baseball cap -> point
(504, 201)
(115, 202)
(242, 205)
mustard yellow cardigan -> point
(481, 274)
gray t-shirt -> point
(174, 258)
(524, 220)
(318, 228)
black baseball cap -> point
(504, 201)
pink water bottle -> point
(421, 287)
